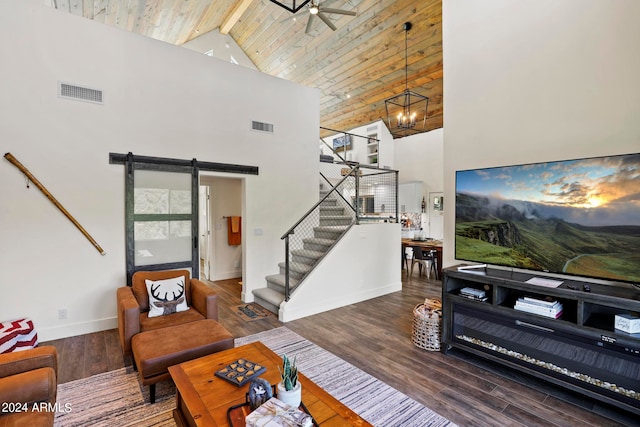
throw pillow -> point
(166, 296)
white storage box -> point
(628, 323)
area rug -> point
(251, 311)
(373, 400)
(116, 398)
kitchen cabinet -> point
(410, 196)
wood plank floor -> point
(375, 335)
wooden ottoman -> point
(154, 351)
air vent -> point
(79, 93)
(261, 127)
(372, 128)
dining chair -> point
(407, 256)
(427, 258)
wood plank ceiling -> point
(355, 67)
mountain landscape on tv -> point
(579, 217)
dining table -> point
(425, 244)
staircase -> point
(332, 223)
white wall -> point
(160, 100)
(419, 158)
(222, 46)
(537, 80)
(364, 264)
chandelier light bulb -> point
(406, 120)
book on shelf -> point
(472, 292)
(537, 301)
(276, 413)
(533, 305)
(554, 312)
(473, 297)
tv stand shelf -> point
(580, 349)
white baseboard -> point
(296, 310)
(224, 275)
(74, 329)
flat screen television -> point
(575, 217)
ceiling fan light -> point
(313, 9)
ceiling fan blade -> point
(338, 11)
(306, 31)
(326, 21)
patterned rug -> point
(251, 311)
(116, 398)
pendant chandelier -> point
(406, 112)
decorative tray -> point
(240, 372)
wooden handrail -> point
(53, 200)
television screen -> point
(578, 217)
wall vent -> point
(371, 128)
(261, 127)
(69, 91)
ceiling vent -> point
(78, 93)
(261, 127)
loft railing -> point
(345, 141)
(354, 193)
(372, 192)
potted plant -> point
(289, 388)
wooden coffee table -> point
(202, 399)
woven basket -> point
(427, 325)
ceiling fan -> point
(314, 8)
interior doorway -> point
(220, 199)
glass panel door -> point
(161, 219)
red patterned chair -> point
(17, 334)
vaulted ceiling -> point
(356, 67)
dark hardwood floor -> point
(375, 336)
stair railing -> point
(334, 225)
(375, 191)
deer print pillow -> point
(166, 296)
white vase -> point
(290, 397)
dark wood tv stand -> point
(581, 350)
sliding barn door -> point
(162, 218)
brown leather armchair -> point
(133, 305)
(28, 387)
